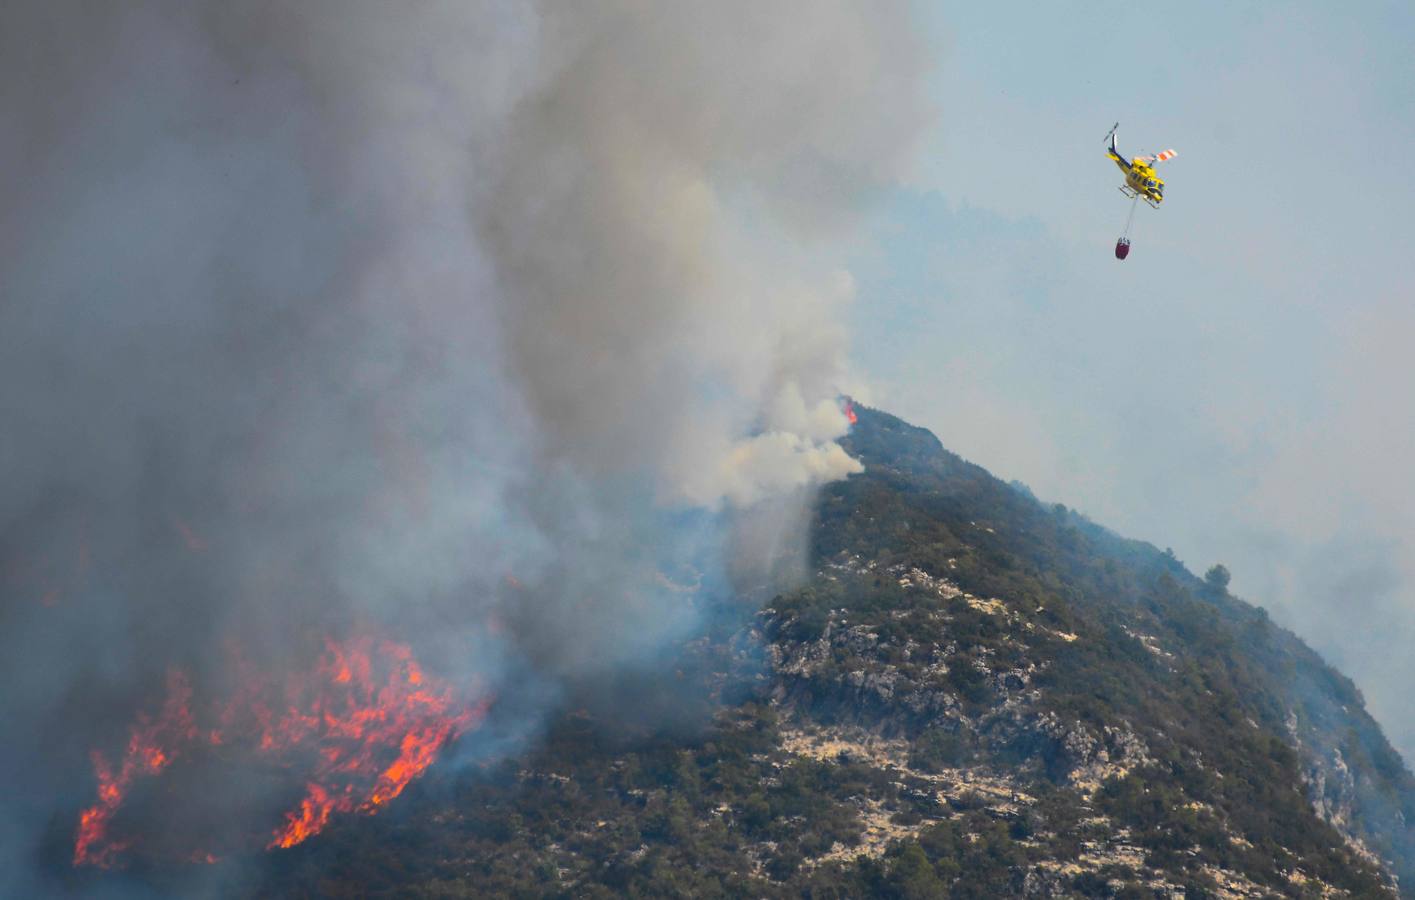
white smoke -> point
(636, 329)
(323, 313)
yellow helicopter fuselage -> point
(1140, 179)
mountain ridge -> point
(1319, 702)
(974, 694)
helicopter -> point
(1141, 182)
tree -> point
(1217, 577)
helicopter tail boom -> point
(1115, 153)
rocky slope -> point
(975, 695)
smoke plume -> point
(457, 324)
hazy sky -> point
(1239, 389)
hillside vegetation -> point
(974, 695)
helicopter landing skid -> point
(1132, 194)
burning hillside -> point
(355, 730)
(321, 318)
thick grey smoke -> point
(439, 320)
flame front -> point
(368, 720)
(145, 756)
(356, 724)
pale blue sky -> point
(1239, 388)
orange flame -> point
(145, 756)
(368, 720)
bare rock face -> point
(907, 691)
(1332, 787)
(1091, 758)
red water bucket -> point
(1122, 248)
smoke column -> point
(460, 323)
